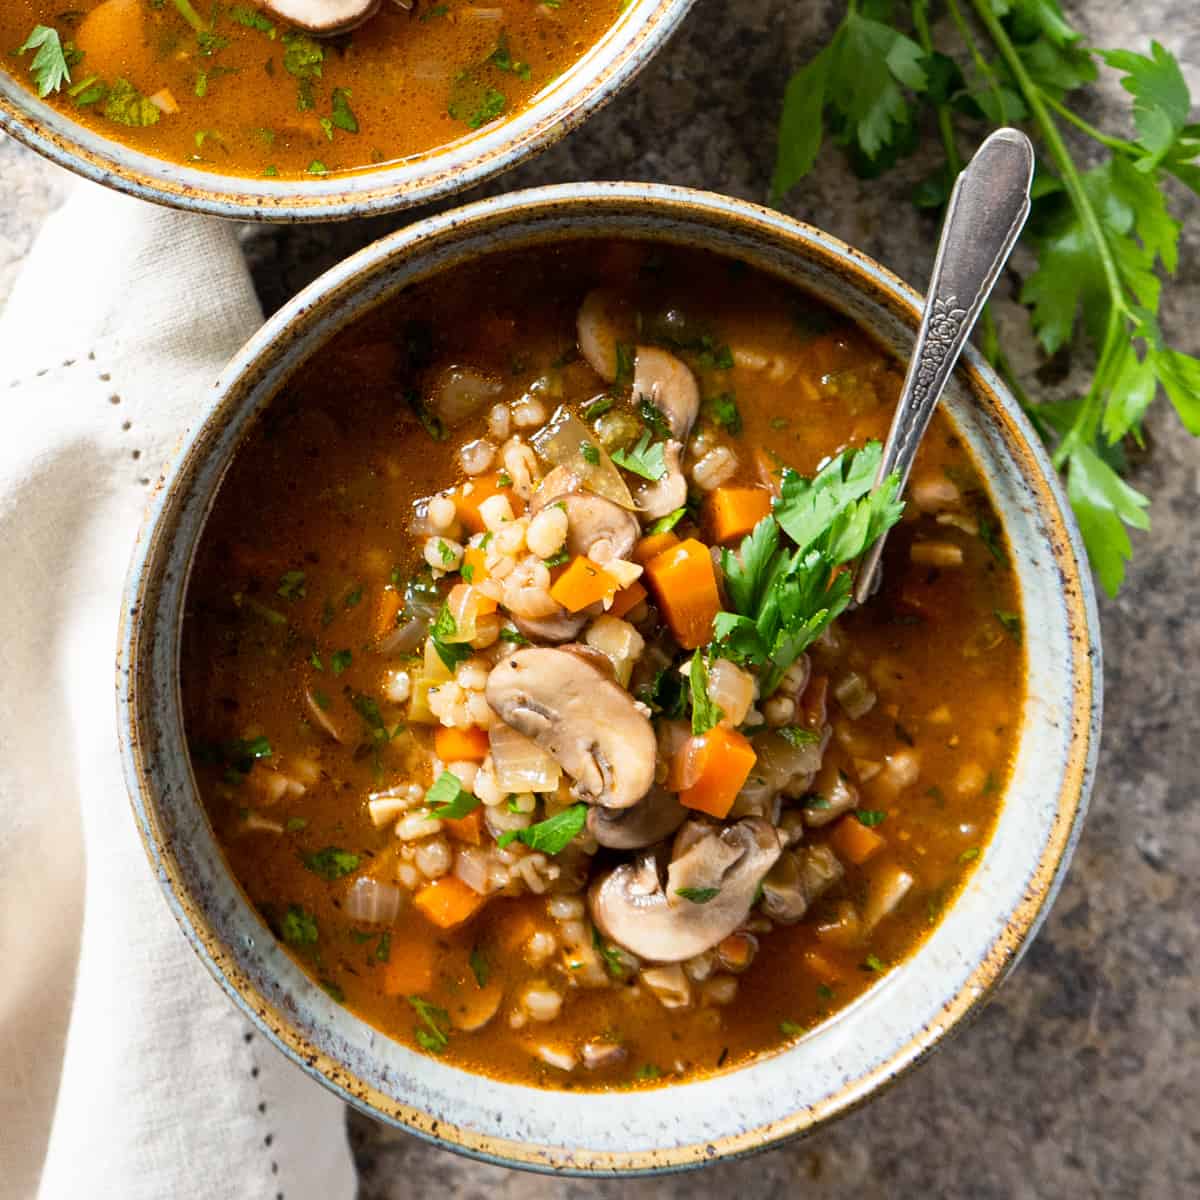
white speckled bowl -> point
(839, 1065)
(566, 101)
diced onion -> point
(373, 902)
(561, 443)
(521, 765)
(406, 638)
(731, 689)
(165, 101)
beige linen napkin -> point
(124, 1072)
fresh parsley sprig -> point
(1104, 238)
(786, 593)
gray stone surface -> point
(1081, 1079)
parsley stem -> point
(981, 64)
(190, 15)
(945, 120)
(1098, 135)
(1062, 158)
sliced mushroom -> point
(656, 500)
(473, 1008)
(631, 908)
(655, 816)
(797, 880)
(598, 528)
(590, 725)
(604, 319)
(324, 18)
(560, 627)
(670, 386)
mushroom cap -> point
(597, 527)
(630, 907)
(558, 627)
(324, 18)
(655, 816)
(667, 383)
(656, 500)
(590, 725)
(604, 316)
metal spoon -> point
(987, 210)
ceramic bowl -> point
(633, 40)
(781, 1094)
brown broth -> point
(326, 485)
(412, 81)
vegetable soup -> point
(522, 686)
(294, 88)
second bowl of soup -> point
(516, 686)
(311, 109)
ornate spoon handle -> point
(987, 210)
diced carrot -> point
(734, 511)
(461, 745)
(387, 609)
(652, 545)
(823, 967)
(627, 599)
(470, 495)
(448, 902)
(721, 762)
(853, 841)
(474, 568)
(466, 829)
(583, 583)
(409, 968)
(685, 585)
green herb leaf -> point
(448, 798)
(291, 585)
(589, 453)
(667, 523)
(49, 67)
(798, 735)
(552, 835)
(127, 106)
(705, 714)
(298, 927)
(598, 408)
(653, 416)
(644, 459)
(870, 817)
(332, 862)
(698, 895)
(433, 1032)
(790, 1028)
(343, 116)
(874, 963)
(340, 660)
(723, 411)
(480, 967)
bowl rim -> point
(622, 51)
(659, 203)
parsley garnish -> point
(343, 116)
(653, 417)
(252, 19)
(552, 835)
(870, 817)
(705, 714)
(597, 408)
(513, 635)
(339, 660)
(432, 1033)
(431, 423)
(451, 653)
(624, 376)
(648, 1071)
(798, 735)
(480, 967)
(474, 102)
(613, 961)
(332, 862)
(784, 599)
(667, 523)
(50, 67)
(874, 963)
(501, 58)
(298, 927)
(589, 453)
(790, 1028)
(291, 585)
(724, 412)
(448, 798)
(698, 895)
(1011, 622)
(127, 106)
(644, 459)
(969, 855)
